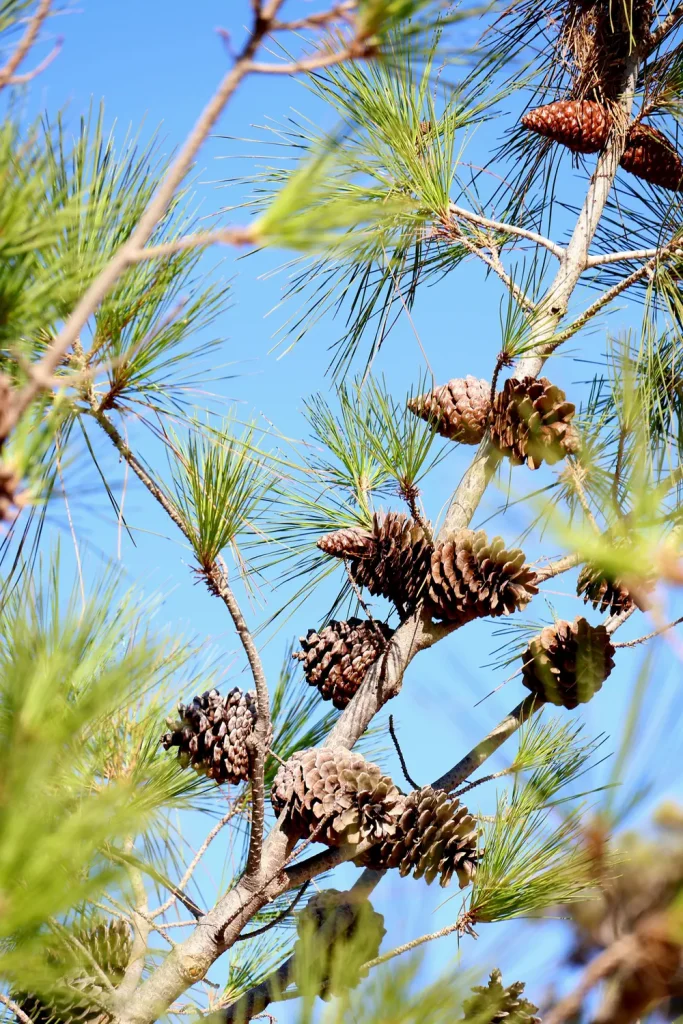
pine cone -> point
(494, 1003)
(392, 560)
(212, 734)
(472, 577)
(110, 945)
(532, 422)
(650, 156)
(436, 836)
(458, 410)
(340, 788)
(602, 592)
(338, 933)
(581, 125)
(337, 658)
(568, 662)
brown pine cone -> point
(601, 592)
(337, 658)
(472, 577)
(436, 836)
(498, 1004)
(212, 734)
(568, 662)
(531, 422)
(337, 934)
(78, 997)
(581, 125)
(337, 787)
(458, 410)
(393, 560)
(650, 156)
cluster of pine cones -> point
(337, 797)
(529, 420)
(602, 38)
(459, 578)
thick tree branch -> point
(620, 257)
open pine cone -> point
(531, 422)
(212, 734)
(650, 156)
(472, 577)
(337, 791)
(436, 837)
(601, 592)
(581, 125)
(338, 933)
(76, 1002)
(392, 559)
(496, 1003)
(568, 662)
(458, 410)
(337, 657)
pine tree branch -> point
(26, 43)
(552, 307)
(483, 750)
(133, 249)
(16, 1010)
(619, 257)
(547, 572)
(664, 28)
(141, 929)
(649, 636)
(508, 229)
(493, 262)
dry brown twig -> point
(24, 47)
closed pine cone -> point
(496, 1003)
(568, 662)
(337, 657)
(458, 410)
(472, 577)
(110, 945)
(531, 422)
(436, 837)
(337, 934)
(392, 559)
(601, 592)
(581, 125)
(213, 733)
(650, 156)
(339, 787)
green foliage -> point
(532, 859)
(220, 482)
(77, 780)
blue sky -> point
(156, 63)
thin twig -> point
(218, 580)
(618, 257)
(413, 944)
(480, 782)
(547, 572)
(276, 920)
(508, 229)
(141, 928)
(404, 769)
(26, 43)
(197, 857)
(649, 636)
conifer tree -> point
(112, 730)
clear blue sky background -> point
(156, 63)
